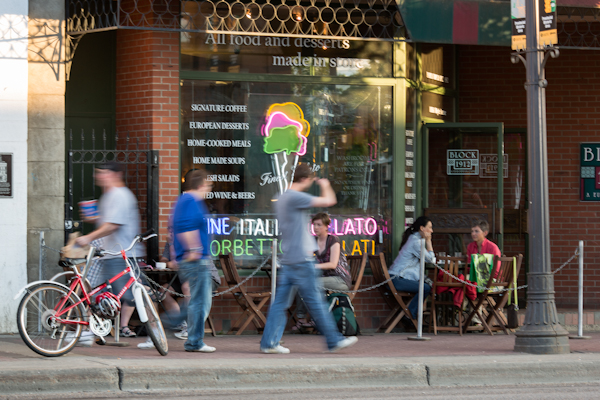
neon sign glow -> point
(352, 226)
(285, 129)
(257, 234)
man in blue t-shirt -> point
(192, 243)
(298, 266)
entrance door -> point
(463, 183)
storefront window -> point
(250, 135)
(285, 55)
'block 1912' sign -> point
(590, 172)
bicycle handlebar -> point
(139, 238)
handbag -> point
(512, 311)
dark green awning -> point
(483, 22)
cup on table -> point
(160, 265)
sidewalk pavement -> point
(376, 360)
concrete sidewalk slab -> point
(378, 360)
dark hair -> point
(323, 216)
(194, 179)
(302, 171)
(483, 224)
(415, 227)
(112, 166)
(186, 178)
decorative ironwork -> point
(578, 28)
(86, 151)
(348, 19)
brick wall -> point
(148, 103)
(491, 90)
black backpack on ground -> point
(343, 312)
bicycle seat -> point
(69, 262)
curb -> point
(84, 375)
(514, 373)
(274, 376)
(59, 380)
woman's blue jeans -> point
(304, 277)
(410, 286)
(198, 275)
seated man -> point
(480, 245)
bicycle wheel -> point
(154, 327)
(36, 325)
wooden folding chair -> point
(491, 301)
(451, 265)
(394, 298)
(250, 302)
(357, 270)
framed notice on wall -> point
(589, 161)
(6, 175)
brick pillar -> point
(148, 103)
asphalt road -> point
(523, 392)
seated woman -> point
(335, 274)
(407, 266)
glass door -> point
(463, 182)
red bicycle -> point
(51, 316)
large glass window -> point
(285, 55)
(250, 135)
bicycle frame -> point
(85, 298)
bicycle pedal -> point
(101, 341)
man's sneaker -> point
(183, 335)
(204, 349)
(342, 344)
(279, 349)
(148, 344)
(182, 326)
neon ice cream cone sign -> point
(285, 132)
(285, 129)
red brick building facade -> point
(492, 90)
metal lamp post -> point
(541, 332)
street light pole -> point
(541, 332)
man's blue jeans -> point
(198, 275)
(407, 285)
(304, 277)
